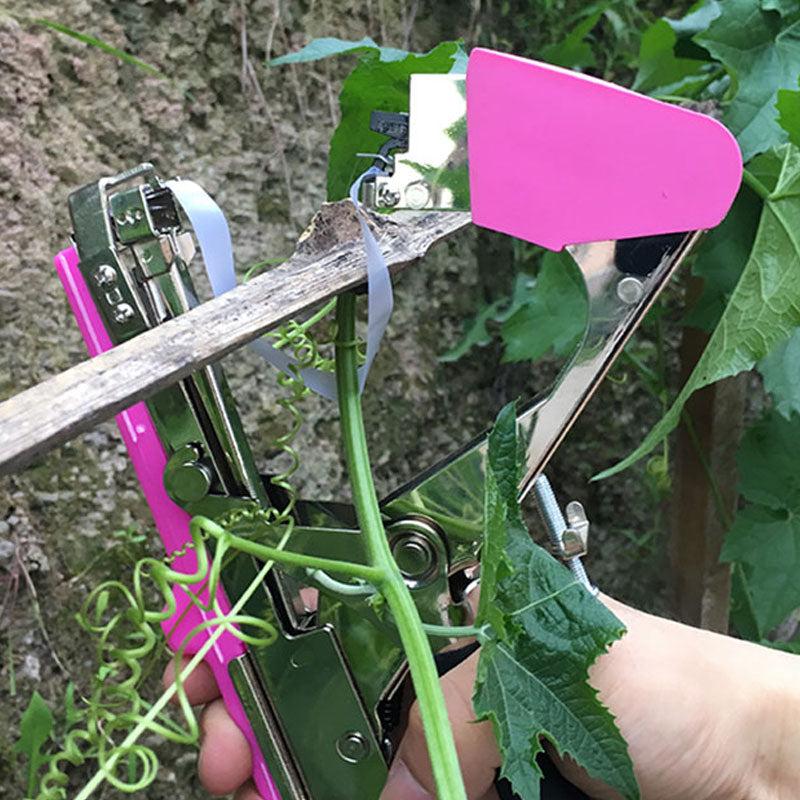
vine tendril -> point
(124, 621)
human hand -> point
(225, 764)
(705, 716)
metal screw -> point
(105, 276)
(123, 313)
(556, 525)
(352, 747)
(630, 290)
(417, 195)
(388, 196)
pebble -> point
(31, 668)
(7, 552)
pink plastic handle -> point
(558, 158)
(149, 459)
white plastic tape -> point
(214, 238)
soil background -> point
(256, 139)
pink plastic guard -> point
(558, 158)
(148, 457)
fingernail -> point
(402, 785)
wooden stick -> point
(329, 259)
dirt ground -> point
(256, 139)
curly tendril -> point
(126, 624)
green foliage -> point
(782, 376)
(765, 537)
(761, 51)
(36, 728)
(721, 257)
(476, 333)
(764, 307)
(573, 51)
(378, 83)
(552, 313)
(659, 65)
(546, 632)
(788, 106)
(329, 46)
(544, 313)
(94, 42)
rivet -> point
(630, 290)
(352, 747)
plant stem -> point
(723, 512)
(438, 735)
(455, 631)
(755, 184)
(265, 553)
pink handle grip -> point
(558, 158)
(149, 459)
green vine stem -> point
(439, 737)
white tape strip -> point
(214, 238)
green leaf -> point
(72, 714)
(376, 84)
(762, 56)
(659, 67)
(763, 309)
(91, 40)
(573, 52)
(546, 632)
(475, 333)
(743, 613)
(553, 314)
(697, 20)
(788, 106)
(721, 257)
(329, 46)
(765, 536)
(786, 8)
(768, 542)
(781, 373)
(767, 460)
(767, 167)
(35, 728)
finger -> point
(200, 685)
(225, 761)
(410, 777)
(247, 792)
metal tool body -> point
(327, 703)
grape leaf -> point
(383, 86)
(326, 46)
(764, 307)
(785, 8)
(742, 613)
(781, 373)
(765, 536)
(379, 82)
(767, 460)
(721, 257)
(475, 333)
(552, 315)
(658, 65)
(762, 54)
(546, 630)
(573, 52)
(788, 106)
(35, 728)
(697, 19)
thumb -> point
(410, 777)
